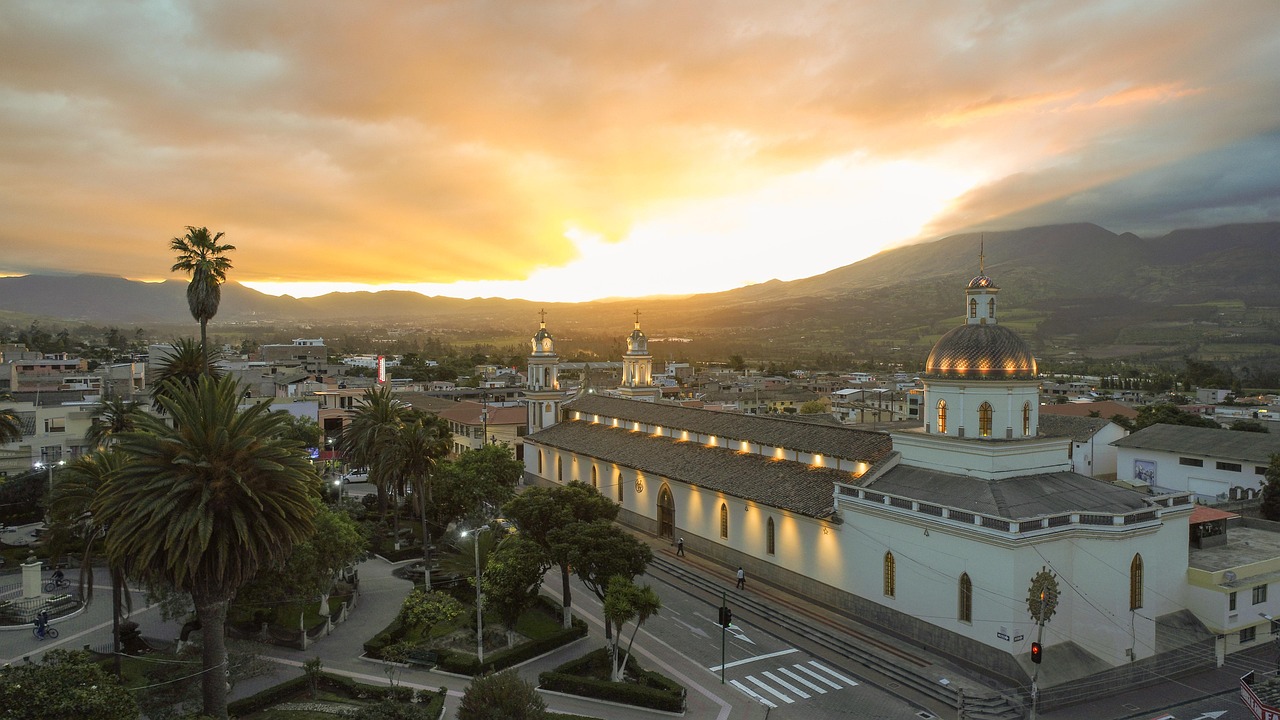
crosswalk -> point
(786, 684)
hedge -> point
(651, 690)
(390, 635)
(289, 689)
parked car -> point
(356, 476)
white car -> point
(356, 476)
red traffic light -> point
(1036, 654)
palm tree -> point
(377, 419)
(200, 254)
(182, 366)
(112, 416)
(10, 423)
(410, 457)
(70, 512)
(202, 505)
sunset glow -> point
(566, 151)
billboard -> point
(1260, 710)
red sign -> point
(1260, 710)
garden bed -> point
(588, 676)
(334, 690)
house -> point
(1212, 463)
(475, 425)
(1091, 451)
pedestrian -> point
(742, 579)
(680, 547)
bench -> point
(422, 658)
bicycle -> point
(49, 632)
(51, 585)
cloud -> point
(444, 142)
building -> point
(1212, 463)
(1091, 452)
(939, 534)
(475, 425)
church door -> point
(666, 513)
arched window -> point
(539, 462)
(966, 599)
(559, 469)
(889, 575)
(991, 308)
(768, 537)
(942, 416)
(724, 521)
(984, 420)
(619, 486)
(1026, 418)
(666, 513)
(1135, 583)
(973, 308)
(595, 480)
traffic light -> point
(726, 617)
(1036, 655)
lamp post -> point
(479, 608)
(49, 465)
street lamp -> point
(479, 609)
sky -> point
(574, 150)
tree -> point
(512, 578)
(363, 441)
(65, 684)
(1252, 426)
(478, 477)
(625, 601)
(206, 502)
(538, 511)
(813, 407)
(736, 363)
(200, 255)
(10, 426)
(1270, 505)
(600, 551)
(111, 416)
(410, 457)
(1170, 414)
(501, 696)
(301, 429)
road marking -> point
(777, 694)
(695, 630)
(752, 693)
(815, 675)
(803, 695)
(833, 673)
(736, 663)
(797, 678)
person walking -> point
(680, 547)
(742, 579)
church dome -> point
(637, 343)
(981, 352)
(982, 281)
(542, 342)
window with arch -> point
(984, 420)
(991, 308)
(1026, 418)
(559, 468)
(1135, 582)
(539, 462)
(942, 416)
(724, 521)
(966, 599)
(973, 308)
(619, 486)
(595, 478)
(768, 537)
(890, 575)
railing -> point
(1021, 527)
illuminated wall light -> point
(711, 441)
(817, 459)
(746, 446)
(657, 430)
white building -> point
(936, 534)
(1212, 463)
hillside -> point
(1070, 289)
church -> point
(970, 534)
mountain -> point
(1069, 289)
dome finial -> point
(637, 319)
(542, 317)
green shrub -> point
(294, 687)
(390, 635)
(581, 677)
(468, 664)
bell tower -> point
(637, 368)
(543, 396)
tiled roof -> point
(1206, 442)
(1104, 408)
(782, 484)
(1025, 496)
(469, 413)
(829, 441)
(1079, 429)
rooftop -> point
(1206, 442)
(1244, 546)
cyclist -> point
(58, 577)
(42, 624)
